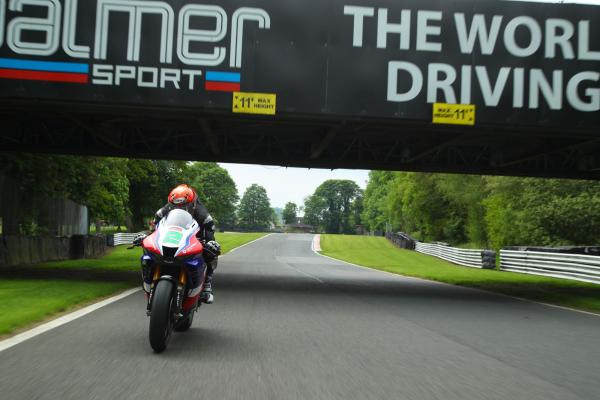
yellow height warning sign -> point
(254, 103)
(458, 114)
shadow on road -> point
(372, 286)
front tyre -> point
(161, 318)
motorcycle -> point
(173, 257)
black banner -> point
(519, 63)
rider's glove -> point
(137, 241)
(212, 248)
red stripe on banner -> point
(43, 76)
(222, 86)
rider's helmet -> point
(183, 197)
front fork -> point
(178, 295)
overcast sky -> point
(294, 184)
(288, 184)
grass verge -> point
(28, 301)
(378, 253)
(29, 295)
(121, 259)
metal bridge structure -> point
(501, 88)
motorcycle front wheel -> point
(161, 318)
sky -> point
(288, 184)
(294, 184)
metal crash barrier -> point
(124, 238)
(466, 257)
(579, 267)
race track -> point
(290, 324)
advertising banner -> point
(471, 62)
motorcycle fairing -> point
(176, 231)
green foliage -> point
(375, 213)
(99, 183)
(289, 213)
(255, 209)
(216, 190)
(314, 210)
(484, 211)
(108, 189)
(115, 189)
(144, 198)
(335, 206)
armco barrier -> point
(124, 238)
(466, 257)
(557, 265)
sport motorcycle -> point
(173, 258)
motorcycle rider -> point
(186, 198)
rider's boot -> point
(207, 295)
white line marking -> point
(10, 342)
(246, 244)
(305, 273)
(467, 287)
(552, 305)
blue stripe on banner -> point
(223, 76)
(52, 66)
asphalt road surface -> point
(290, 324)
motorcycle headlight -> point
(147, 259)
(195, 262)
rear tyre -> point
(161, 319)
(185, 324)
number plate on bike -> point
(173, 237)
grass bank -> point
(27, 301)
(29, 295)
(378, 253)
(124, 260)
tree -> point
(255, 209)
(144, 198)
(216, 189)
(289, 213)
(375, 214)
(150, 183)
(314, 209)
(107, 193)
(330, 207)
(99, 183)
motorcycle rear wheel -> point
(161, 317)
(185, 324)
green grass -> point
(31, 298)
(378, 253)
(27, 301)
(231, 240)
(121, 259)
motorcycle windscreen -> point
(173, 232)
